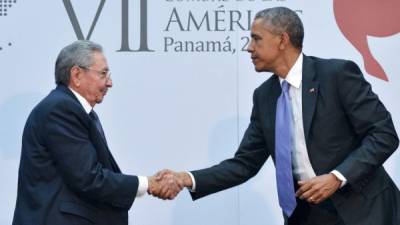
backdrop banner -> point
(183, 85)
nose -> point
(250, 47)
(109, 83)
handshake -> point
(167, 184)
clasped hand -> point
(166, 184)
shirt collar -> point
(85, 104)
(295, 73)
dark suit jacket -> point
(67, 174)
(346, 128)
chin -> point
(99, 100)
(259, 69)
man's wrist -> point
(186, 179)
(339, 177)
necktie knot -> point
(93, 115)
(285, 86)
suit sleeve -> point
(370, 121)
(76, 159)
(246, 162)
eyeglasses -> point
(105, 74)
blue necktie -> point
(283, 151)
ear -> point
(75, 76)
(285, 41)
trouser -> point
(323, 213)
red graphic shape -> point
(358, 19)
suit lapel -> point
(274, 93)
(92, 127)
(108, 155)
(309, 94)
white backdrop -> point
(169, 108)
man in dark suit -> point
(67, 174)
(326, 131)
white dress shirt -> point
(302, 168)
(143, 181)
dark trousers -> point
(323, 213)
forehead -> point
(260, 27)
(98, 59)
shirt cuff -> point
(143, 186)
(193, 189)
(340, 177)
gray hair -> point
(282, 19)
(79, 53)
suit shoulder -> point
(266, 84)
(334, 65)
(55, 100)
(332, 70)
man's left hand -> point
(319, 188)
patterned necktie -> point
(95, 118)
(283, 151)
